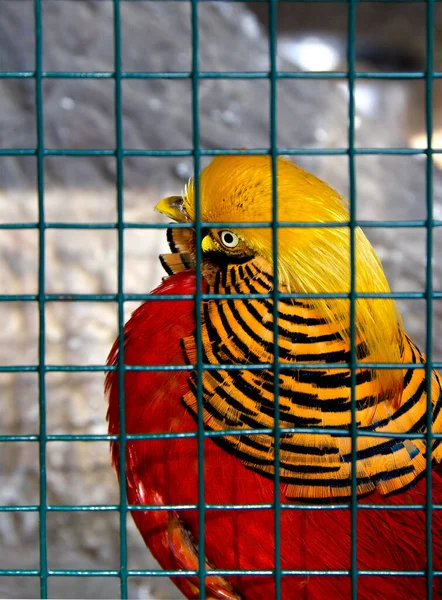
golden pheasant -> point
(314, 396)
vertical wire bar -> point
(274, 160)
(429, 288)
(353, 249)
(41, 297)
(120, 297)
(198, 301)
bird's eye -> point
(229, 239)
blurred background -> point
(156, 114)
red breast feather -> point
(164, 471)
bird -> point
(313, 389)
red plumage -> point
(164, 472)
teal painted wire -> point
(198, 302)
(218, 572)
(429, 292)
(265, 431)
(62, 437)
(252, 507)
(222, 152)
(353, 358)
(210, 572)
(255, 225)
(120, 297)
(165, 297)
(216, 75)
(207, 367)
(41, 299)
(272, 12)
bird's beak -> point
(208, 245)
(172, 207)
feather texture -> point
(165, 472)
(310, 260)
(315, 464)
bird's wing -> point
(314, 465)
(167, 536)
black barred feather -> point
(314, 465)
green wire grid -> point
(123, 574)
(41, 298)
(353, 357)
(120, 153)
(429, 287)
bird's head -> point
(238, 189)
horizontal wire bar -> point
(210, 367)
(20, 437)
(257, 225)
(131, 75)
(92, 437)
(19, 573)
(222, 152)
(213, 367)
(209, 573)
(229, 507)
(174, 297)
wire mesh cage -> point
(119, 154)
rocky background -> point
(156, 114)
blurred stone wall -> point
(388, 38)
(156, 114)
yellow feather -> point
(310, 260)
